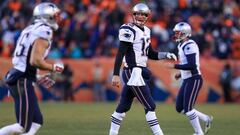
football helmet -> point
(182, 30)
(49, 13)
(140, 13)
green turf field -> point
(94, 119)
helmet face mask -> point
(49, 13)
(182, 31)
(140, 13)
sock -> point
(33, 130)
(116, 120)
(153, 123)
(201, 115)
(193, 118)
(12, 129)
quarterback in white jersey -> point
(189, 67)
(140, 39)
(31, 50)
(135, 50)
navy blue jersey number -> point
(144, 46)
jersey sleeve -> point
(44, 32)
(126, 34)
(190, 48)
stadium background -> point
(87, 43)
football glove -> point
(58, 67)
(45, 80)
(171, 56)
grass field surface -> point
(94, 119)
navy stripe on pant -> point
(142, 93)
(188, 93)
(26, 105)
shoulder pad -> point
(130, 24)
(147, 28)
(190, 48)
(126, 33)
(43, 31)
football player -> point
(135, 50)
(189, 67)
(32, 47)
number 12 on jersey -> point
(145, 46)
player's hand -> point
(116, 81)
(45, 80)
(177, 76)
(58, 67)
(171, 56)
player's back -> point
(22, 53)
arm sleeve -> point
(191, 63)
(123, 47)
(152, 54)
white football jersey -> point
(186, 48)
(140, 39)
(21, 56)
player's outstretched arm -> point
(154, 55)
(37, 55)
(190, 65)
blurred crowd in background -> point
(90, 27)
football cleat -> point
(197, 134)
(208, 124)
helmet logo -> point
(181, 24)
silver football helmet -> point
(49, 13)
(140, 13)
(182, 30)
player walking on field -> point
(189, 67)
(135, 50)
(32, 47)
